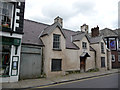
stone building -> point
(62, 50)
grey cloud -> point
(53, 10)
(85, 7)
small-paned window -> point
(56, 65)
(6, 10)
(118, 58)
(56, 41)
(102, 62)
(113, 58)
(84, 45)
(102, 47)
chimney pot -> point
(59, 20)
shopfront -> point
(10, 54)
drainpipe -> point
(42, 63)
(95, 60)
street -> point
(106, 81)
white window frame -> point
(118, 58)
(102, 47)
(9, 16)
(113, 58)
(57, 41)
(84, 45)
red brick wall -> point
(95, 31)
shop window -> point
(56, 65)
(102, 62)
(6, 10)
(4, 69)
(113, 58)
(56, 41)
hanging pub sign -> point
(112, 44)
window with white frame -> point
(84, 45)
(102, 47)
(6, 10)
(56, 41)
(113, 58)
(118, 58)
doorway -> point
(5, 60)
(82, 64)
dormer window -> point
(102, 47)
(56, 42)
(6, 14)
(84, 45)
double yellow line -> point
(73, 81)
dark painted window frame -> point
(56, 65)
(102, 62)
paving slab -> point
(46, 81)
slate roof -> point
(94, 40)
(69, 44)
(118, 32)
(32, 31)
(108, 33)
(49, 29)
(79, 36)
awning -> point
(85, 54)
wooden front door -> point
(82, 64)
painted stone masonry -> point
(64, 50)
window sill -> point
(6, 29)
(56, 71)
(113, 61)
(103, 67)
(103, 52)
(57, 49)
(84, 48)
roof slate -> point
(94, 40)
(50, 28)
(32, 30)
(108, 33)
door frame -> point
(82, 63)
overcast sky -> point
(75, 13)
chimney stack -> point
(84, 28)
(59, 20)
(95, 31)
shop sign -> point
(10, 41)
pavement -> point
(60, 79)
